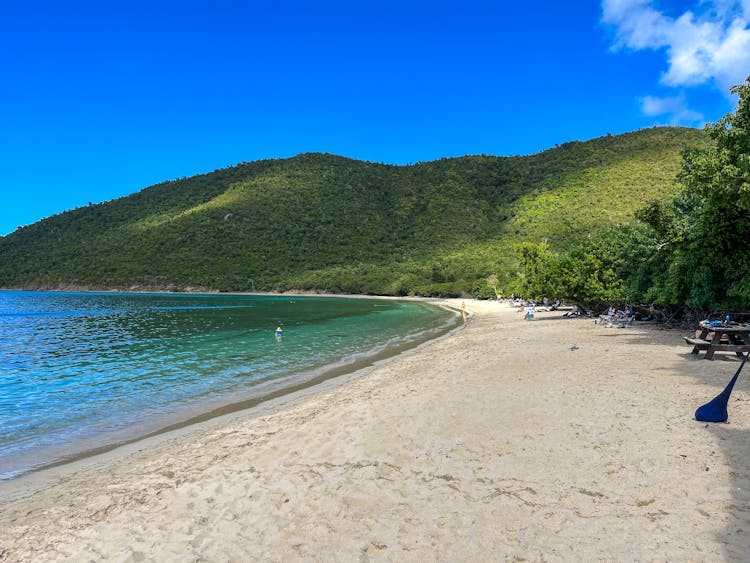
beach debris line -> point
(716, 409)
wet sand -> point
(496, 442)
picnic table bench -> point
(733, 338)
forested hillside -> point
(318, 221)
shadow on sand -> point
(733, 441)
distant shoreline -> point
(207, 291)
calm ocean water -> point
(79, 371)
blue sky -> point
(99, 99)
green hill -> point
(318, 221)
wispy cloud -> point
(674, 107)
(709, 44)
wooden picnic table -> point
(732, 338)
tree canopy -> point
(691, 251)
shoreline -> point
(291, 384)
(39, 479)
(496, 441)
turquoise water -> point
(79, 371)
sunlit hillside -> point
(324, 222)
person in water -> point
(279, 331)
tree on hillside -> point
(705, 231)
(591, 273)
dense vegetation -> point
(321, 222)
(690, 252)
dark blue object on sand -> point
(716, 410)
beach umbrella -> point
(716, 409)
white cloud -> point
(708, 45)
(674, 107)
(638, 26)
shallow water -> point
(79, 371)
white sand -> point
(497, 442)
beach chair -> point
(626, 322)
(607, 319)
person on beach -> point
(576, 312)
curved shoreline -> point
(555, 439)
(268, 392)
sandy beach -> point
(547, 440)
